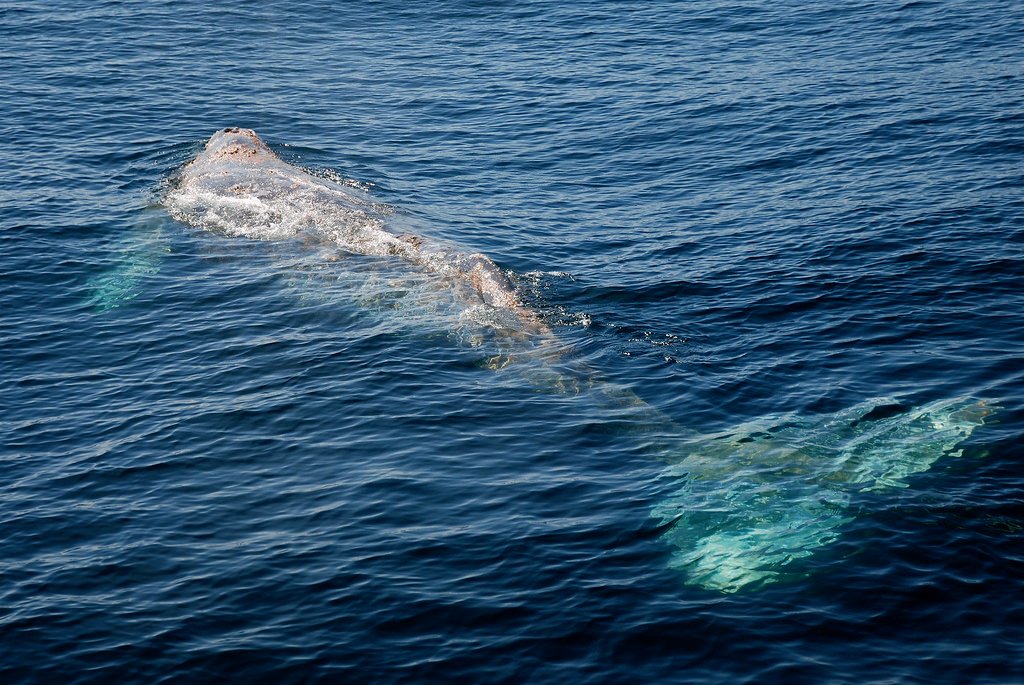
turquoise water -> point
(770, 435)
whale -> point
(239, 186)
(738, 509)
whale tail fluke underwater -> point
(748, 502)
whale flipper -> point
(137, 260)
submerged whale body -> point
(238, 185)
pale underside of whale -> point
(743, 505)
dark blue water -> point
(221, 461)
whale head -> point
(239, 143)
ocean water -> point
(774, 430)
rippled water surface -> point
(773, 435)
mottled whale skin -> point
(238, 185)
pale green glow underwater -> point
(139, 258)
(750, 501)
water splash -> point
(752, 500)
